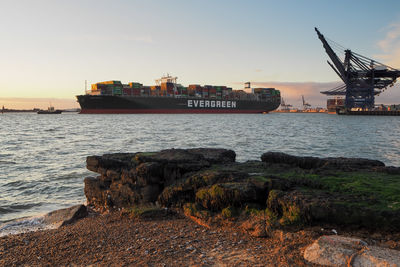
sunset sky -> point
(49, 48)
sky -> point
(49, 48)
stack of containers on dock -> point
(155, 90)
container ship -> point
(167, 96)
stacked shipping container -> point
(108, 87)
(193, 90)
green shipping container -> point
(117, 91)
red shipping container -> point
(136, 91)
(127, 91)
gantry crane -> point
(285, 107)
(363, 77)
(306, 106)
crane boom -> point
(363, 77)
(335, 59)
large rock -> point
(215, 155)
(115, 161)
(222, 195)
(297, 191)
(333, 250)
(128, 179)
(185, 190)
(305, 207)
(377, 256)
(302, 162)
(314, 162)
(347, 251)
(65, 216)
(96, 193)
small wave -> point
(51, 130)
(14, 208)
(15, 183)
(24, 225)
(5, 210)
(4, 162)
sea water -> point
(42, 157)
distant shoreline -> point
(32, 110)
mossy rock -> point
(184, 190)
(141, 157)
(196, 210)
(291, 215)
(176, 196)
(219, 196)
(230, 212)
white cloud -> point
(390, 46)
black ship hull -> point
(108, 104)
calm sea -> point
(42, 157)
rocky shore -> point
(200, 207)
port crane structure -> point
(363, 77)
(285, 107)
(306, 106)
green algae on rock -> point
(279, 191)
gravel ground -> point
(115, 240)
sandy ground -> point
(173, 240)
